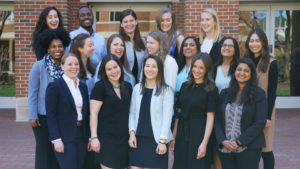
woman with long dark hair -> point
(110, 101)
(50, 18)
(165, 22)
(240, 119)
(82, 47)
(150, 118)
(196, 104)
(225, 66)
(134, 43)
(267, 73)
(116, 45)
(44, 71)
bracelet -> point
(238, 143)
(92, 138)
(163, 141)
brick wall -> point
(188, 13)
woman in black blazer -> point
(240, 119)
(67, 111)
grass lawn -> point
(283, 93)
(8, 91)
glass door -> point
(281, 23)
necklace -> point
(117, 87)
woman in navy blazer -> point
(67, 108)
(240, 119)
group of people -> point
(127, 103)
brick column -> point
(228, 12)
(26, 16)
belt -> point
(79, 123)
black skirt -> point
(145, 155)
(113, 154)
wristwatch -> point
(163, 141)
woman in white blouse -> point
(157, 45)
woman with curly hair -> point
(44, 71)
(50, 18)
(240, 119)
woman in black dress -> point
(197, 106)
(240, 119)
(110, 100)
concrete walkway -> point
(17, 141)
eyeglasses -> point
(227, 46)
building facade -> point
(237, 17)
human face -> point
(166, 22)
(113, 71)
(227, 49)
(56, 50)
(129, 24)
(152, 46)
(198, 70)
(52, 19)
(242, 73)
(207, 22)
(189, 48)
(86, 18)
(151, 69)
(71, 67)
(88, 48)
(117, 47)
(255, 45)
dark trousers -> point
(248, 159)
(44, 155)
(74, 152)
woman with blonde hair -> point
(210, 34)
(165, 21)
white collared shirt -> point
(74, 89)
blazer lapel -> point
(68, 92)
(84, 103)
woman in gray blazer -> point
(150, 118)
(42, 73)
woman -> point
(210, 34)
(109, 109)
(116, 46)
(150, 118)
(83, 47)
(225, 66)
(165, 21)
(67, 105)
(197, 106)
(224, 69)
(240, 119)
(134, 43)
(157, 45)
(267, 73)
(50, 18)
(44, 71)
(188, 50)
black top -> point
(272, 86)
(114, 112)
(144, 127)
(253, 120)
(135, 69)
